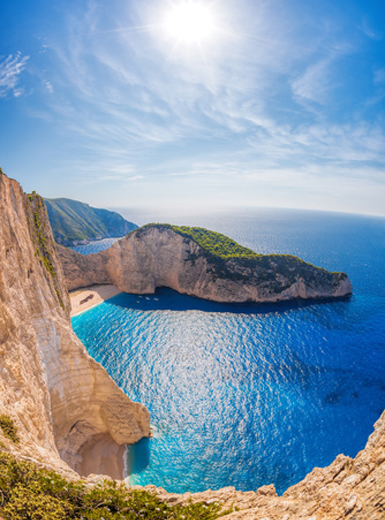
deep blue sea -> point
(247, 395)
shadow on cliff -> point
(166, 299)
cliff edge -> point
(64, 404)
(200, 263)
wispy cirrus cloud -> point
(10, 69)
(255, 105)
(369, 31)
(320, 76)
(314, 84)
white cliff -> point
(63, 403)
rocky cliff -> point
(190, 261)
(63, 403)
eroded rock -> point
(60, 399)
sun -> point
(189, 22)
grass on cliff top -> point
(31, 493)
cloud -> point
(10, 69)
(314, 84)
(319, 78)
(371, 33)
(379, 87)
(246, 115)
(49, 86)
(379, 76)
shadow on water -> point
(165, 299)
(138, 458)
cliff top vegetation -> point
(29, 492)
(214, 243)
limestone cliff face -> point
(157, 256)
(61, 400)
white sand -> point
(84, 299)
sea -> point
(251, 394)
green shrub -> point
(30, 493)
(213, 243)
(8, 427)
(26, 503)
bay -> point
(247, 395)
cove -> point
(251, 395)
(239, 395)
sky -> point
(196, 104)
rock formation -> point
(158, 256)
(64, 404)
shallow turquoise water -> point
(246, 395)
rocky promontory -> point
(201, 263)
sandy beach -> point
(102, 456)
(84, 299)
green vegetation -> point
(28, 492)
(40, 238)
(215, 244)
(8, 428)
(73, 221)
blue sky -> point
(282, 104)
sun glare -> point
(189, 22)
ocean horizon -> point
(250, 394)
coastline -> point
(103, 456)
(88, 297)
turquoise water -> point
(247, 395)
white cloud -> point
(216, 119)
(314, 84)
(49, 87)
(10, 69)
